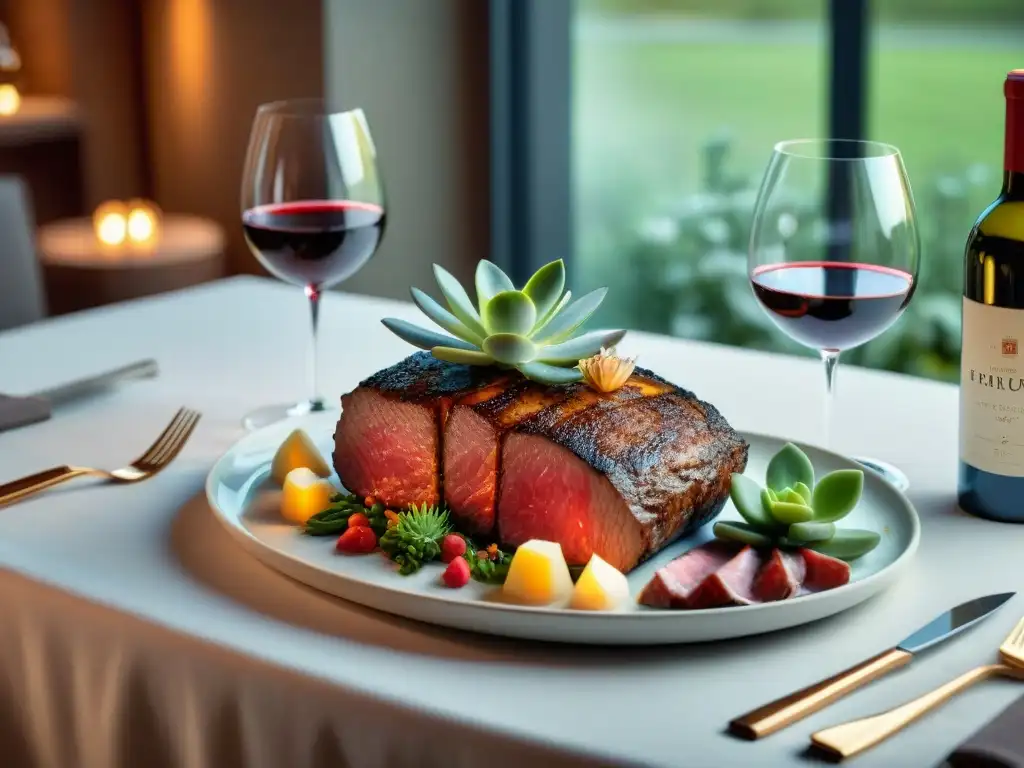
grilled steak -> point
(621, 474)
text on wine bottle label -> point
(992, 389)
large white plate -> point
(245, 501)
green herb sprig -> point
(415, 538)
(334, 519)
(492, 569)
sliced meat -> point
(824, 572)
(672, 585)
(780, 577)
(372, 454)
(732, 584)
(472, 440)
(620, 474)
(387, 443)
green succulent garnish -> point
(533, 330)
(793, 510)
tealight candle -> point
(110, 223)
(143, 222)
(10, 99)
(304, 495)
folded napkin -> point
(19, 411)
(999, 744)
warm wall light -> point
(135, 223)
(10, 99)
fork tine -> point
(173, 447)
(171, 439)
(158, 443)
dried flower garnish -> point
(606, 372)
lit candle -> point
(110, 223)
(10, 99)
(143, 222)
(304, 495)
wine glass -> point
(834, 249)
(312, 208)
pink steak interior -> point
(388, 449)
(549, 493)
(470, 470)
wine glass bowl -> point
(834, 248)
(313, 209)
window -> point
(675, 106)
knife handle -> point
(796, 706)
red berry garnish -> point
(452, 546)
(359, 540)
(358, 519)
(457, 573)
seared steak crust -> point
(667, 453)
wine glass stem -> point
(316, 402)
(830, 357)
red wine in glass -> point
(832, 305)
(314, 243)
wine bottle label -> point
(992, 389)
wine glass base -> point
(893, 474)
(271, 414)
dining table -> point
(135, 631)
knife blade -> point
(74, 390)
(20, 411)
(783, 712)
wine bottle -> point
(991, 482)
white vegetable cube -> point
(304, 495)
(538, 574)
(601, 587)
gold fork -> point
(163, 450)
(851, 738)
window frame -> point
(531, 121)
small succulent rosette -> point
(534, 330)
(793, 510)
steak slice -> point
(780, 577)
(671, 586)
(652, 463)
(824, 572)
(387, 443)
(732, 584)
(472, 443)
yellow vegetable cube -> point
(304, 495)
(538, 574)
(601, 587)
(297, 451)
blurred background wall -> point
(156, 99)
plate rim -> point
(245, 536)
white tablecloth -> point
(134, 632)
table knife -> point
(782, 712)
(38, 406)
